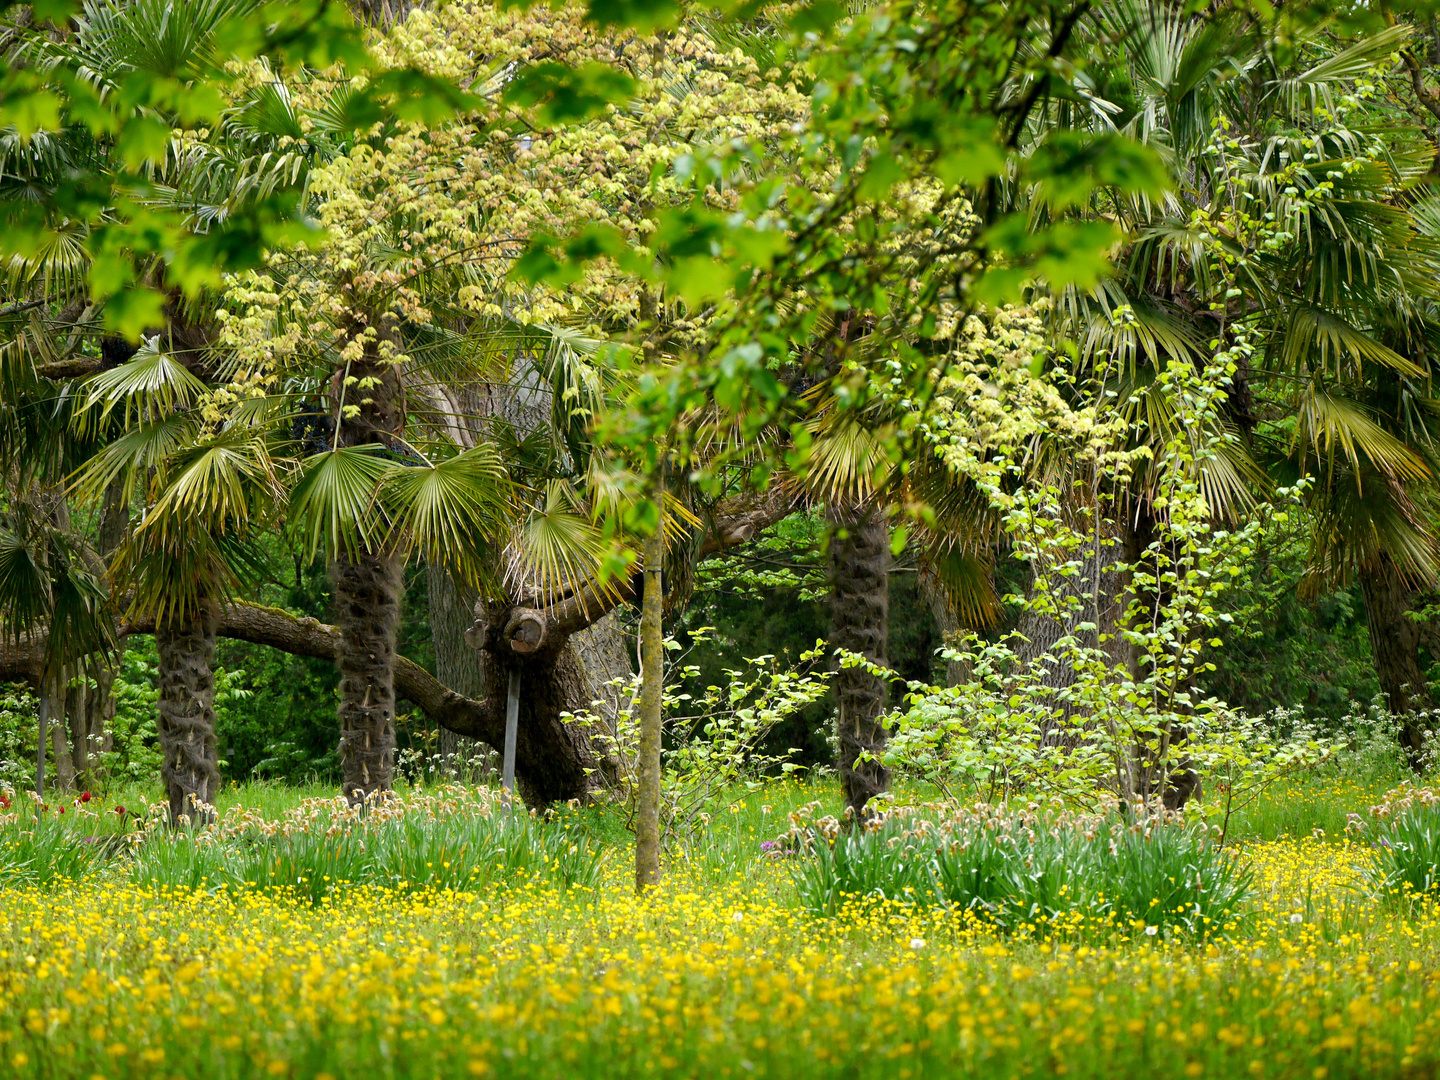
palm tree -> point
(415, 312)
(853, 471)
(1302, 238)
(205, 488)
(174, 573)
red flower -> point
(4, 803)
(119, 811)
(85, 796)
(61, 810)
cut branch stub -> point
(526, 630)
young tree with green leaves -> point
(1300, 237)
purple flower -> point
(768, 845)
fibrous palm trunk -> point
(368, 587)
(186, 710)
(859, 623)
(1395, 647)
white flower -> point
(917, 943)
(1297, 918)
(1151, 931)
(739, 916)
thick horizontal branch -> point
(738, 521)
(298, 636)
(71, 367)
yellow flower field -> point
(705, 977)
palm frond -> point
(150, 385)
(333, 505)
(216, 485)
(557, 547)
(132, 456)
(454, 512)
(1329, 425)
(1315, 87)
(25, 587)
(848, 460)
(967, 578)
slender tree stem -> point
(40, 743)
(512, 730)
(652, 675)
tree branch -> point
(1429, 99)
(298, 636)
(738, 521)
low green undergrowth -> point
(456, 839)
(1019, 870)
(1404, 830)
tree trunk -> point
(67, 739)
(652, 685)
(368, 584)
(43, 730)
(60, 751)
(457, 665)
(367, 589)
(947, 621)
(859, 615)
(556, 760)
(1096, 595)
(186, 710)
(605, 654)
(77, 714)
(1395, 647)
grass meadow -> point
(438, 937)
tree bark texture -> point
(60, 752)
(368, 588)
(1098, 593)
(186, 710)
(1395, 640)
(652, 686)
(555, 760)
(605, 655)
(77, 717)
(859, 623)
(457, 665)
(368, 583)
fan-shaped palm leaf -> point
(454, 512)
(333, 503)
(1329, 425)
(150, 385)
